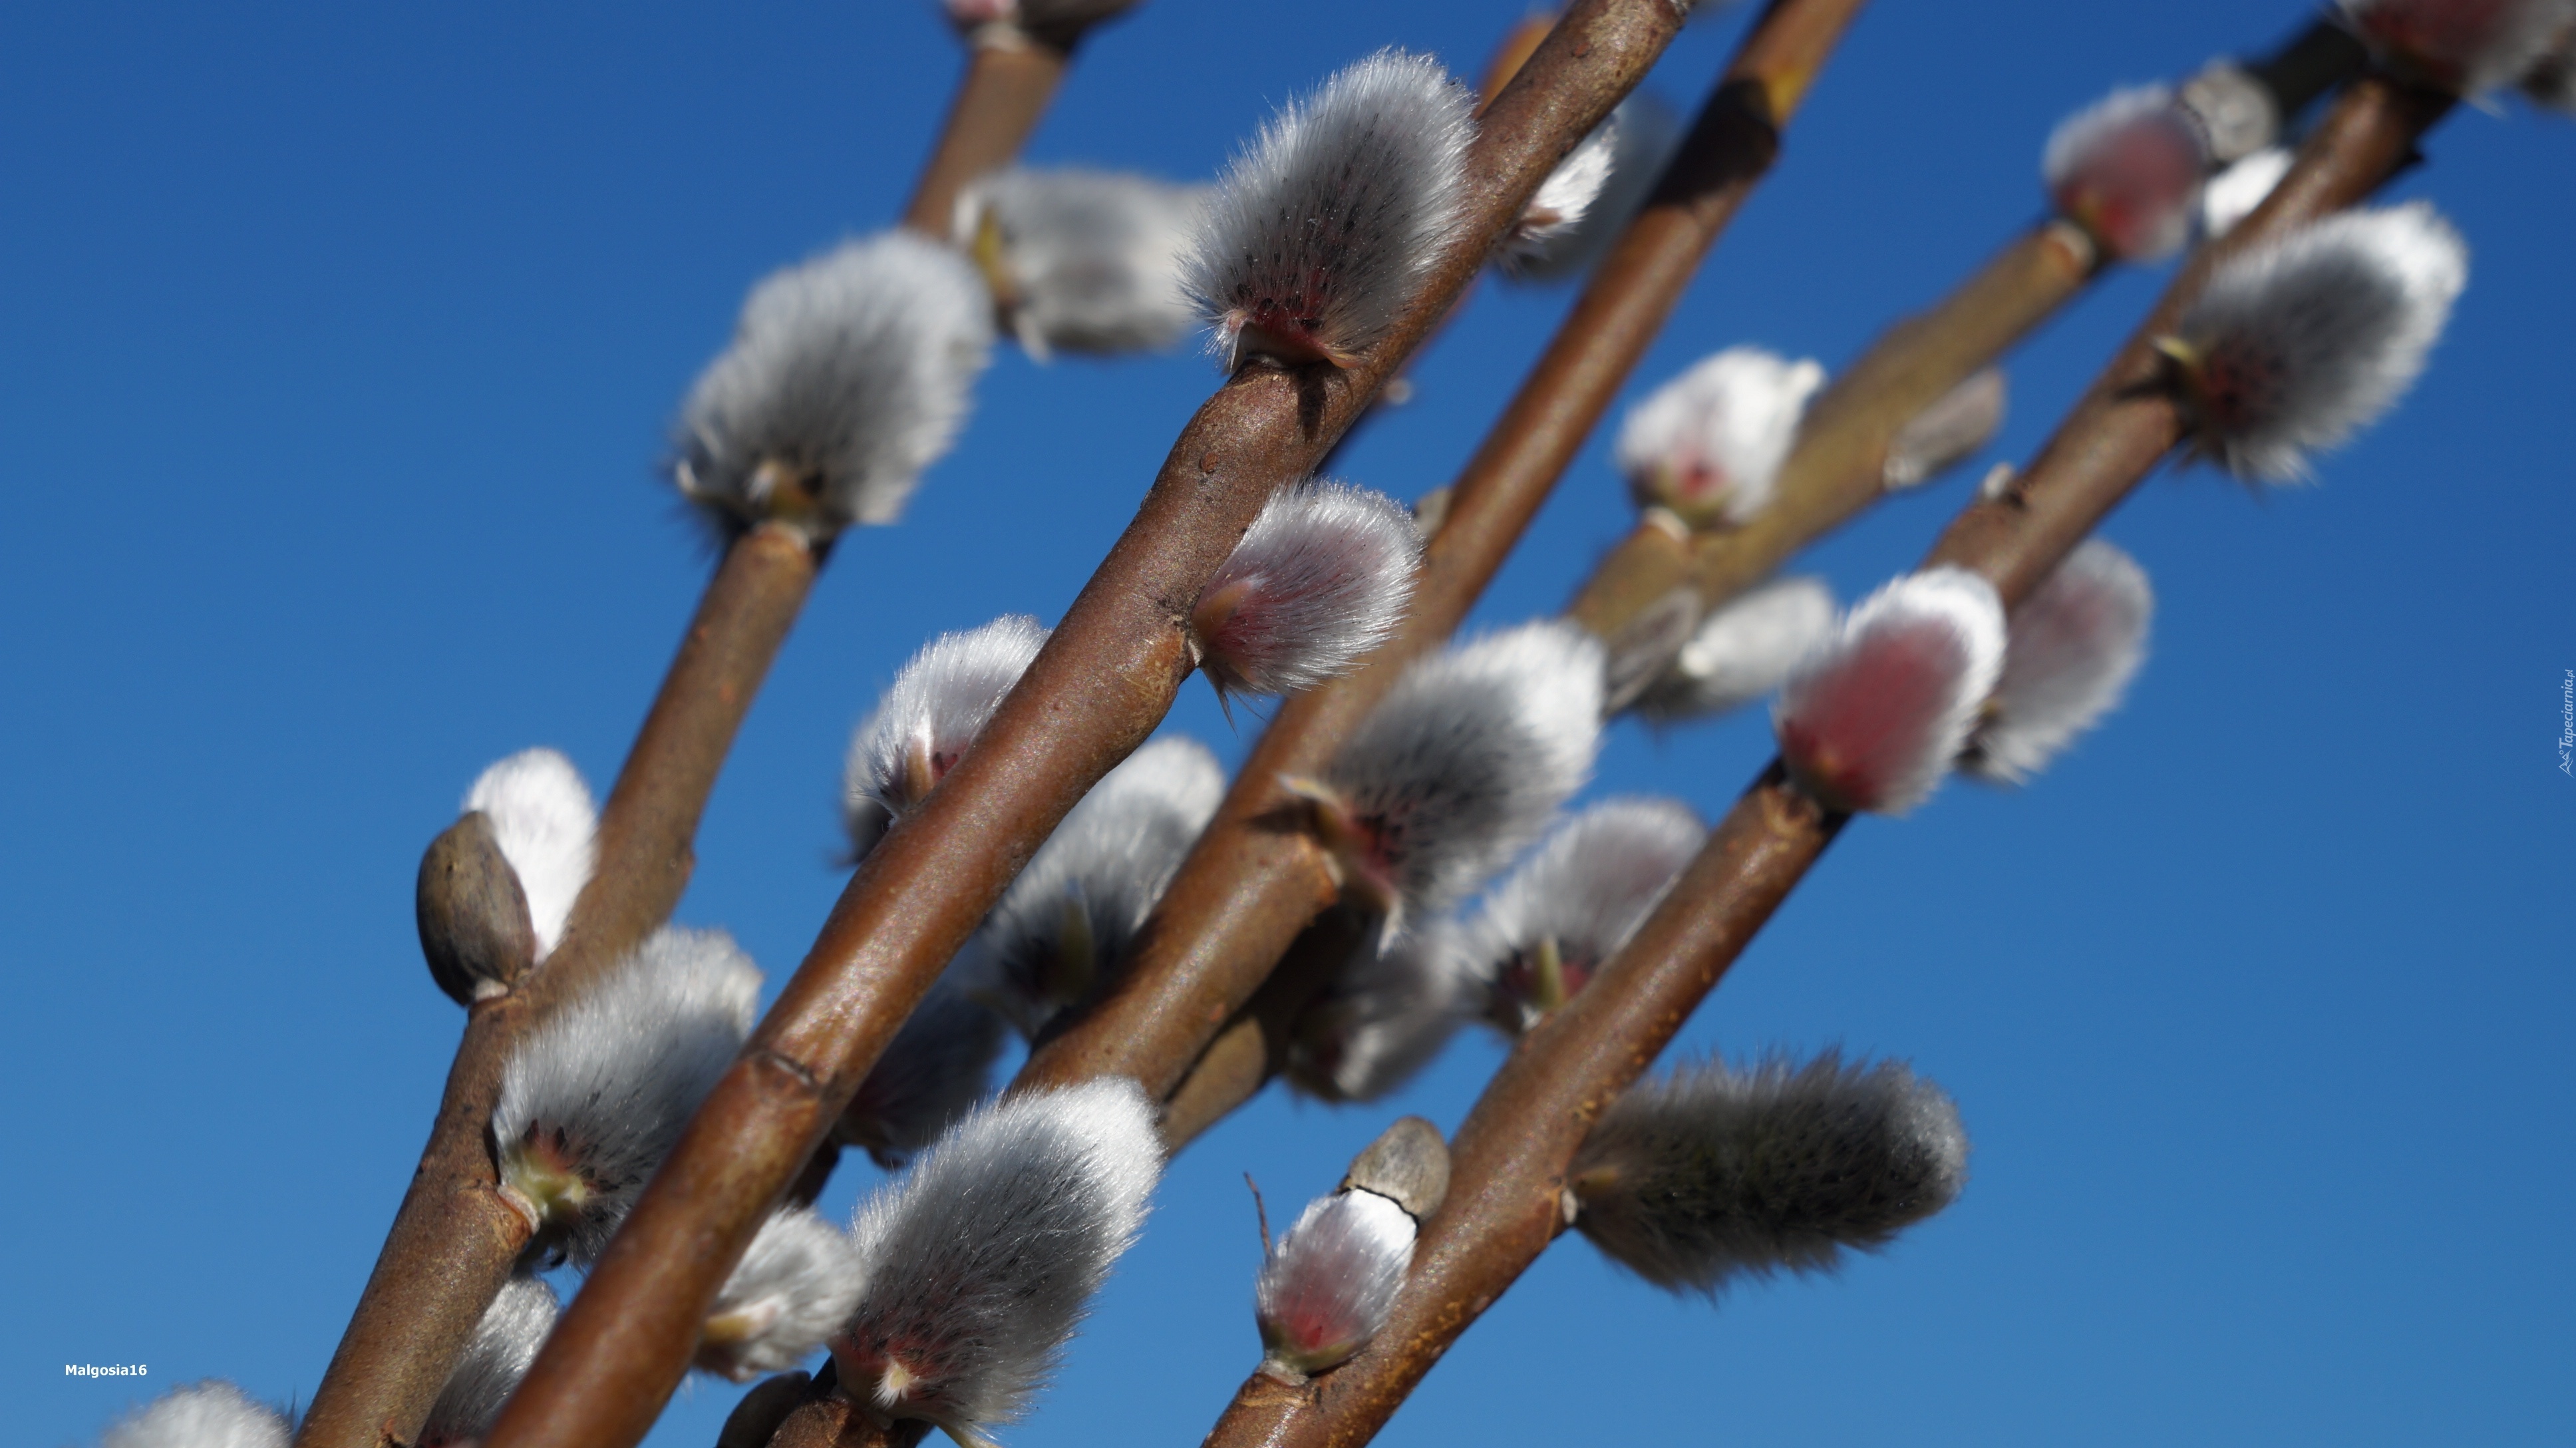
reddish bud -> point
(1326, 1287)
(2128, 170)
(1871, 720)
(1321, 578)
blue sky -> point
(340, 342)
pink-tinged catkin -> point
(1569, 907)
(2128, 169)
(1322, 230)
(1321, 578)
(2075, 643)
(1325, 1287)
(1708, 445)
(593, 1098)
(1461, 764)
(927, 719)
(979, 1264)
(1871, 720)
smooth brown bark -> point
(1510, 1157)
(1104, 679)
(453, 1240)
(1000, 99)
(1250, 886)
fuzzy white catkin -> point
(2470, 46)
(2074, 645)
(979, 1264)
(853, 369)
(496, 1357)
(211, 1414)
(1322, 231)
(543, 820)
(2233, 194)
(1586, 888)
(1085, 261)
(1320, 579)
(1644, 132)
(1872, 718)
(1558, 208)
(928, 717)
(1383, 1017)
(595, 1096)
(1711, 1173)
(2129, 169)
(792, 1290)
(1098, 877)
(1464, 761)
(1326, 1286)
(2298, 344)
(1709, 443)
(1742, 651)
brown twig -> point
(1103, 681)
(1249, 887)
(1012, 72)
(1510, 1157)
(453, 1240)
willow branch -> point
(453, 1240)
(1249, 887)
(1511, 1156)
(1104, 680)
(1012, 71)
